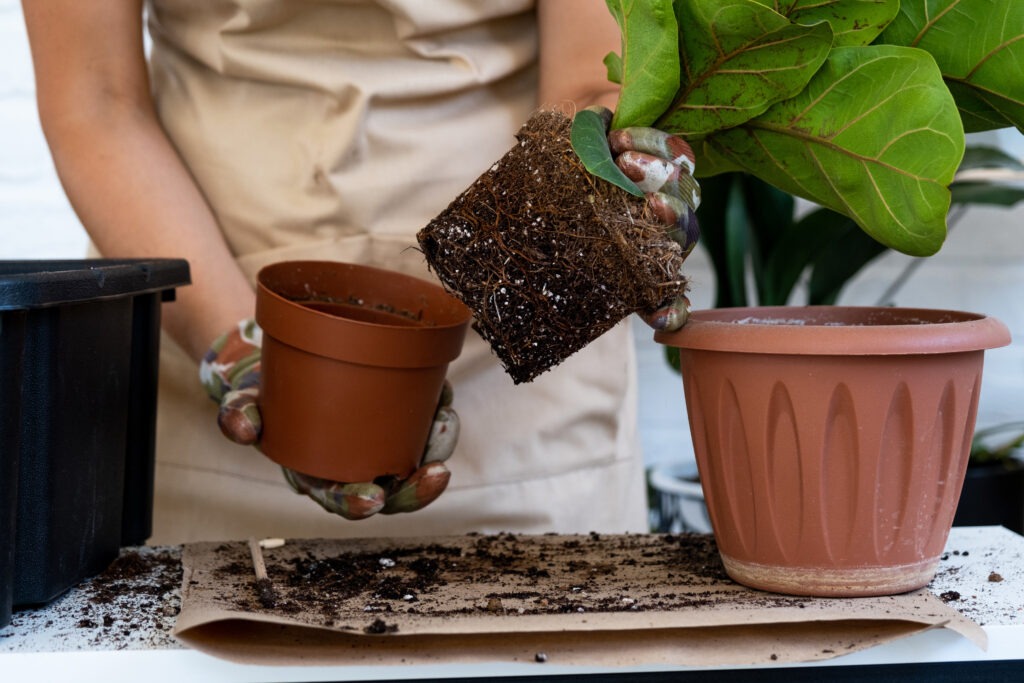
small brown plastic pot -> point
(353, 363)
(832, 441)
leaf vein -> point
(779, 165)
(853, 213)
(986, 90)
(808, 138)
(833, 85)
(931, 22)
(992, 52)
(864, 113)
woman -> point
(268, 130)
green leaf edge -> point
(613, 62)
(599, 163)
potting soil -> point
(547, 256)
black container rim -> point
(30, 283)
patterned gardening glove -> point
(662, 167)
(230, 373)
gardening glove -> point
(230, 373)
(662, 166)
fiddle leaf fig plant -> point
(649, 65)
(590, 142)
(853, 22)
(857, 105)
(979, 47)
(738, 58)
(884, 160)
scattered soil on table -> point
(547, 256)
(153, 574)
(950, 596)
(501, 575)
(994, 577)
(132, 604)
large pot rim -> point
(837, 330)
(357, 341)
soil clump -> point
(132, 604)
(547, 256)
(484, 576)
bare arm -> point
(575, 35)
(125, 180)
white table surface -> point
(44, 644)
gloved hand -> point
(662, 167)
(230, 373)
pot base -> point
(832, 583)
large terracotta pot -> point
(832, 441)
(353, 363)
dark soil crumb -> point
(950, 596)
(265, 589)
(131, 604)
(547, 256)
(150, 574)
(995, 578)
(540, 657)
(339, 585)
(379, 626)
(774, 657)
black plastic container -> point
(79, 348)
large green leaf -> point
(874, 136)
(739, 57)
(590, 142)
(649, 67)
(709, 161)
(979, 46)
(854, 22)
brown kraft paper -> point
(608, 600)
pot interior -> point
(835, 316)
(837, 330)
(377, 316)
(360, 293)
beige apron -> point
(335, 129)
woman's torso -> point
(336, 129)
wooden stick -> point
(265, 589)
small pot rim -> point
(837, 330)
(356, 341)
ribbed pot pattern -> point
(780, 439)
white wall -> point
(36, 220)
(981, 268)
